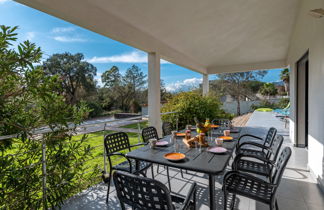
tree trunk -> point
(238, 106)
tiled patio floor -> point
(298, 190)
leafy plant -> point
(189, 105)
(264, 104)
(268, 89)
(30, 99)
(283, 103)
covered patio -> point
(215, 36)
(298, 189)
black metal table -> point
(198, 161)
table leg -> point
(211, 192)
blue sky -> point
(54, 35)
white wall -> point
(309, 35)
(231, 107)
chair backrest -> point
(166, 128)
(149, 133)
(222, 122)
(275, 147)
(141, 192)
(270, 136)
(116, 142)
(280, 165)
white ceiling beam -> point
(247, 67)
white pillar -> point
(205, 85)
(154, 94)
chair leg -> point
(152, 171)
(225, 200)
(194, 200)
(233, 202)
(158, 169)
(107, 199)
(167, 168)
(122, 205)
(277, 208)
(181, 173)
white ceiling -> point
(208, 36)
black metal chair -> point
(147, 194)
(166, 128)
(261, 162)
(255, 148)
(238, 183)
(151, 133)
(115, 143)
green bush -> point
(29, 99)
(189, 105)
(267, 104)
(283, 103)
(95, 108)
(264, 104)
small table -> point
(203, 162)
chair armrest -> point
(247, 135)
(191, 195)
(123, 155)
(246, 176)
(255, 144)
(240, 156)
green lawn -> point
(134, 125)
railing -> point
(82, 129)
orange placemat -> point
(174, 156)
(226, 137)
(180, 134)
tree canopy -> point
(74, 73)
(237, 84)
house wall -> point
(245, 106)
(308, 35)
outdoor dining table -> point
(198, 161)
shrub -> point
(189, 105)
(30, 99)
(95, 109)
(264, 104)
(283, 103)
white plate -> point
(218, 150)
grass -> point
(134, 125)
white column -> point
(205, 85)
(154, 94)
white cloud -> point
(98, 79)
(30, 35)
(186, 84)
(69, 39)
(131, 57)
(62, 29)
(4, 1)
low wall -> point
(231, 107)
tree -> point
(29, 98)
(75, 74)
(123, 91)
(284, 76)
(235, 84)
(134, 78)
(111, 77)
(268, 89)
